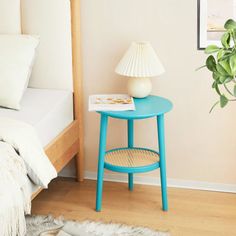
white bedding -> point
(31, 187)
(14, 194)
(49, 111)
(19, 142)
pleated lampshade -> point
(140, 60)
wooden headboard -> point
(61, 29)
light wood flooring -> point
(191, 212)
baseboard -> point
(147, 180)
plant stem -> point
(200, 68)
(214, 106)
(228, 90)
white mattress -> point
(49, 111)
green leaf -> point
(221, 70)
(232, 62)
(217, 89)
(223, 101)
(235, 90)
(229, 79)
(211, 63)
(226, 56)
(234, 35)
(214, 84)
(230, 24)
(216, 75)
(220, 54)
(225, 40)
(211, 49)
(226, 65)
(223, 79)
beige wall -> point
(200, 146)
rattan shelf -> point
(131, 160)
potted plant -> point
(222, 63)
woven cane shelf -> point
(131, 160)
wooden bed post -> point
(77, 84)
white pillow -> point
(16, 56)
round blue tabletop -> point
(145, 108)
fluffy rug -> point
(48, 226)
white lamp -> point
(140, 63)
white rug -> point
(48, 226)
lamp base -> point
(139, 87)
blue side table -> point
(131, 159)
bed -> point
(53, 101)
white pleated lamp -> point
(140, 63)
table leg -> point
(102, 150)
(130, 145)
(161, 141)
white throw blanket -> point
(21, 154)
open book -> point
(111, 102)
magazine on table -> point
(111, 102)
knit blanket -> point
(21, 154)
(14, 197)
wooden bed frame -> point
(69, 143)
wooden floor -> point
(191, 212)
